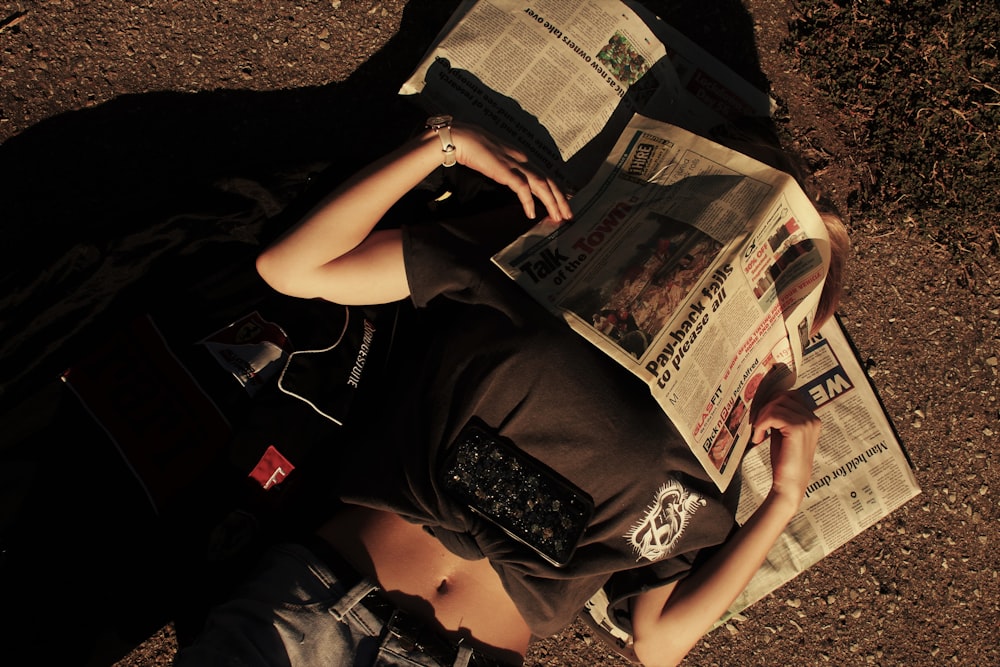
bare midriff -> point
(462, 599)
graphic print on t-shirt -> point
(666, 519)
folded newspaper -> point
(695, 267)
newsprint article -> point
(694, 266)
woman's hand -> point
(508, 166)
(795, 433)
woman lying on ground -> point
(408, 570)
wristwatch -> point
(442, 126)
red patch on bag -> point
(272, 469)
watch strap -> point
(442, 127)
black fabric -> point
(482, 348)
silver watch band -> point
(442, 126)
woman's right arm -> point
(333, 252)
(668, 621)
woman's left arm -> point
(667, 622)
(333, 252)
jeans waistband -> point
(410, 631)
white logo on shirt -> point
(668, 516)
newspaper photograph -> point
(692, 265)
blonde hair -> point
(833, 287)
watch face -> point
(437, 122)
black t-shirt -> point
(483, 348)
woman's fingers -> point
(795, 431)
(527, 184)
(784, 410)
(510, 167)
(561, 201)
(546, 191)
(517, 181)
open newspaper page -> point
(860, 476)
(695, 267)
(545, 75)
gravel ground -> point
(101, 101)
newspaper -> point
(696, 268)
(709, 92)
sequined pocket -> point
(525, 498)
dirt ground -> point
(893, 105)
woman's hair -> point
(833, 288)
(755, 137)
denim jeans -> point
(296, 613)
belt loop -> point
(352, 597)
(463, 656)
